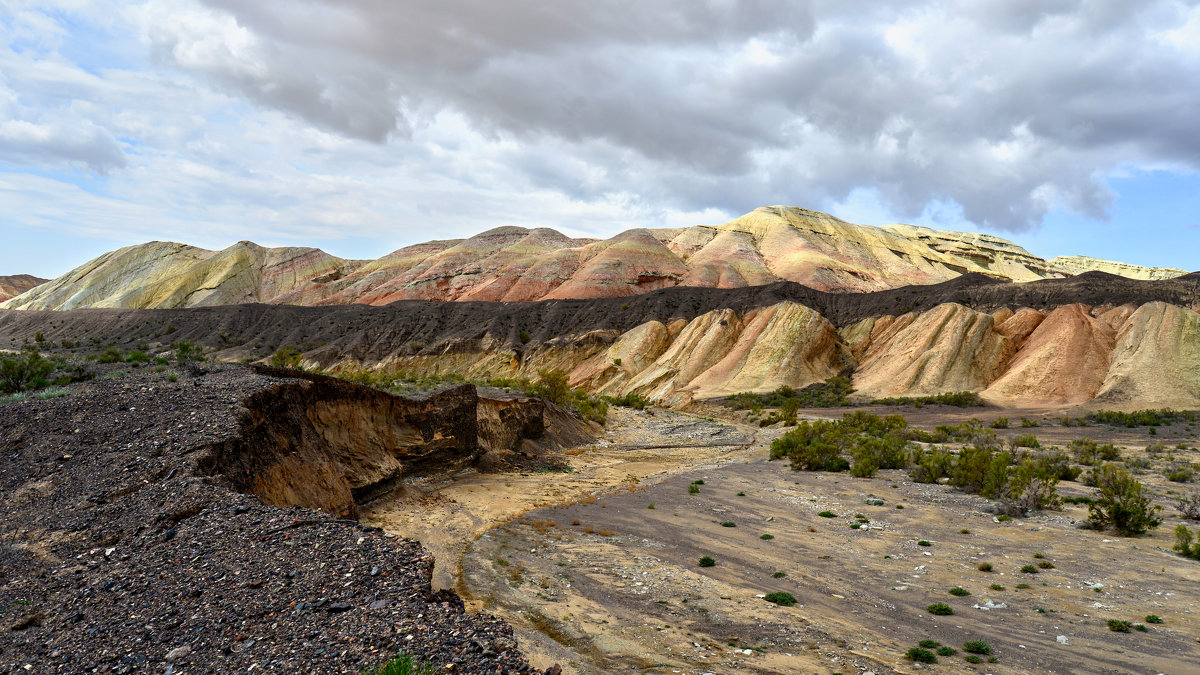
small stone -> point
(375, 571)
(337, 607)
(178, 653)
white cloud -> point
(221, 120)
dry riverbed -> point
(597, 569)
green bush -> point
(827, 514)
(977, 647)
(1184, 542)
(940, 609)
(1025, 441)
(766, 537)
(630, 400)
(1141, 418)
(781, 598)
(1029, 569)
(1121, 503)
(188, 351)
(27, 371)
(920, 655)
(999, 423)
(946, 651)
(1119, 626)
(1153, 618)
(1089, 452)
(728, 523)
(693, 489)
(959, 591)
(707, 561)
(286, 356)
(110, 355)
(832, 393)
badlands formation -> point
(769, 244)
(12, 286)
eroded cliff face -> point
(16, 284)
(323, 443)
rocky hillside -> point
(768, 245)
(127, 543)
(1092, 339)
(14, 285)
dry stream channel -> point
(597, 568)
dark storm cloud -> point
(1007, 107)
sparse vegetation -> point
(984, 567)
(977, 647)
(833, 392)
(1153, 618)
(1119, 626)
(286, 356)
(958, 399)
(940, 609)
(959, 591)
(1185, 543)
(707, 561)
(1141, 418)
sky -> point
(360, 126)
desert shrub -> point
(706, 561)
(1030, 487)
(959, 591)
(1189, 507)
(186, 351)
(630, 400)
(729, 523)
(996, 587)
(1121, 503)
(1182, 472)
(873, 442)
(921, 655)
(971, 431)
(940, 609)
(985, 567)
(781, 598)
(1025, 441)
(137, 356)
(1089, 452)
(930, 465)
(1029, 569)
(1119, 626)
(1153, 618)
(946, 651)
(832, 393)
(977, 647)
(403, 664)
(1045, 565)
(26, 371)
(1185, 544)
(286, 356)
(928, 644)
(524, 336)
(981, 469)
(971, 658)
(110, 355)
(1027, 423)
(1141, 418)
(827, 514)
(999, 423)
(693, 489)
(924, 542)
(766, 537)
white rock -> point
(1062, 640)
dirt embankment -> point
(122, 500)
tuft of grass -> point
(766, 537)
(403, 664)
(779, 575)
(741, 494)
(1023, 586)
(693, 489)
(946, 651)
(1119, 626)
(1140, 628)
(650, 505)
(1004, 517)
(707, 561)
(827, 514)
(928, 644)
(940, 609)
(985, 567)
(1046, 565)
(924, 542)
(729, 523)
(959, 591)
(996, 587)
(1153, 618)
(971, 658)
(1029, 569)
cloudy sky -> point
(1069, 126)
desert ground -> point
(596, 566)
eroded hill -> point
(1053, 342)
(513, 264)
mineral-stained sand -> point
(609, 584)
